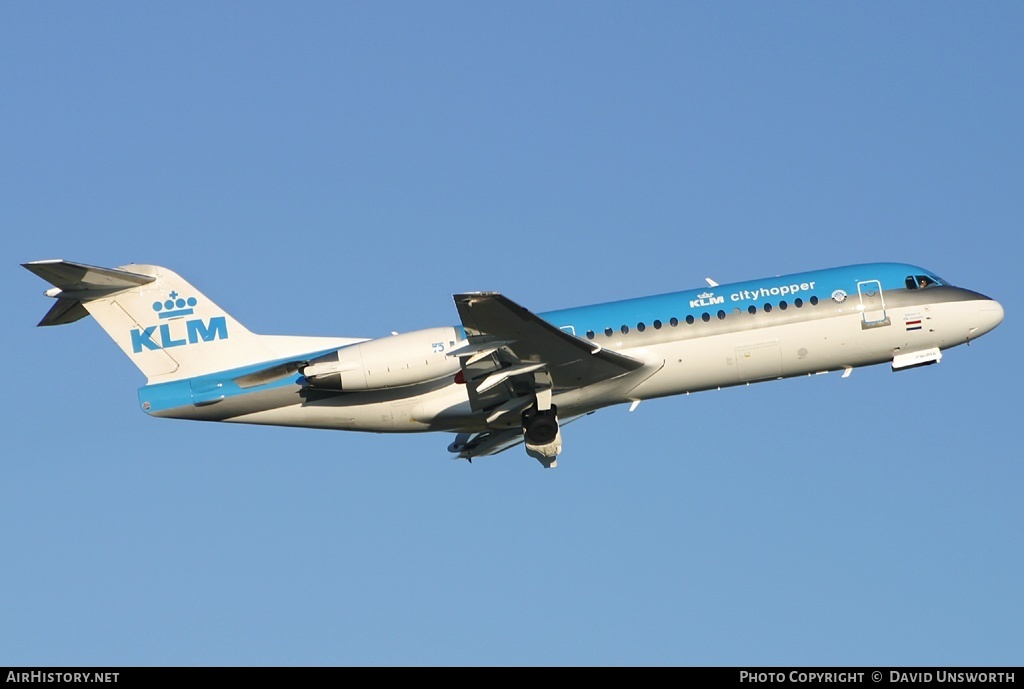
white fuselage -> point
(740, 349)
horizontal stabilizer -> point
(64, 311)
(78, 277)
(76, 282)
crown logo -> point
(706, 295)
(175, 306)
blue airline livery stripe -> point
(820, 283)
(178, 393)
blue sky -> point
(344, 168)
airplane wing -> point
(469, 445)
(511, 355)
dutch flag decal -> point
(914, 324)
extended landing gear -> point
(542, 436)
(540, 427)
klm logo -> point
(706, 299)
(178, 333)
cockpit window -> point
(923, 281)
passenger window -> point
(798, 302)
(767, 308)
(590, 334)
(705, 316)
(814, 301)
(721, 315)
(689, 320)
(673, 322)
(657, 325)
(751, 309)
(624, 329)
(783, 305)
(608, 332)
(641, 327)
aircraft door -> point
(759, 361)
(872, 304)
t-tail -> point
(167, 327)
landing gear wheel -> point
(541, 427)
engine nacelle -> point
(389, 362)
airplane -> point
(506, 375)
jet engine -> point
(388, 362)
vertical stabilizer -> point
(162, 323)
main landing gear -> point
(542, 435)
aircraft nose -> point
(990, 314)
